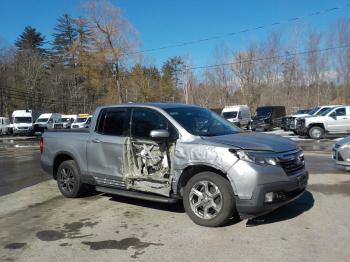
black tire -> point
(295, 132)
(72, 186)
(316, 132)
(225, 200)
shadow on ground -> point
(303, 204)
(177, 208)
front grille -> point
(301, 123)
(293, 165)
(23, 128)
(75, 126)
(58, 126)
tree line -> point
(92, 61)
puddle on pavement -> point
(15, 245)
(69, 230)
(19, 143)
(50, 235)
(124, 244)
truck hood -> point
(301, 115)
(255, 141)
(315, 118)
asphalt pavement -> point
(38, 224)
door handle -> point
(96, 140)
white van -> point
(4, 126)
(45, 121)
(22, 122)
(239, 115)
(65, 121)
(81, 121)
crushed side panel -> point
(148, 165)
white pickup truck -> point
(333, 121)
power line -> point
(255, 28)
(19, 95)
(288, 54)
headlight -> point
(255, 157)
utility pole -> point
(118, 82)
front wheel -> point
(316, 132)
(209, 199)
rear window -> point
(113, 122)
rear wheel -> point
(68, 180)
(209, 199)
(316, 132)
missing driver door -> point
(150, 161)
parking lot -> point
(38, 224)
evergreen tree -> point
(30, 40)
(64, 37)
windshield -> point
(303, 111)
(314, 110)
(324, 111)
(81, 120)
(228, 115)
(63, 120)
(263, 111)
(22, 120)
(202, 122)
(42, 120)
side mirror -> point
(160, 134)
(333, 115)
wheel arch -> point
(316, 124)
(191, 170)
(60, 157)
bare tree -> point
(113, 37)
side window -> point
(340, 111)
(113, 122)
(144, 121)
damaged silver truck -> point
(169, 152)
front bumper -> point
(341, 157)
(23, 131)
(285, 192)
(261, 126)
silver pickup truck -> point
(170, 152)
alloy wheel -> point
(205, 199)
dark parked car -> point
(268, 117)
